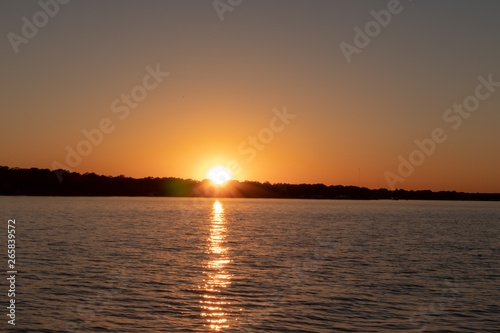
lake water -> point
(237, 265)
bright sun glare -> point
(219, 174)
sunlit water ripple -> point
(235, 265)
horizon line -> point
(62, 171)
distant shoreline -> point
(257, 198)
(44, 182)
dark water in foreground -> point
(234, 265)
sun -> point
(219, 174)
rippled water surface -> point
(236, 265)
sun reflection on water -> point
(213, 303)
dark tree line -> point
(16, 181)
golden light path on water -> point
(213, 303)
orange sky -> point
(351, 121)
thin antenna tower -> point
(359, 177)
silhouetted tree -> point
(33, 181)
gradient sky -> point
(353, 120)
